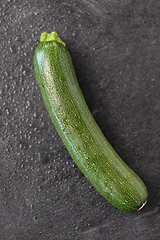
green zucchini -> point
(78, 130)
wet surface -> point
(115, 51)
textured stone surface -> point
(115, 47)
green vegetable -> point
(78, 130)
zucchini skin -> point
(80, 133)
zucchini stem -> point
(53, 36)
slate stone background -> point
(115, 47)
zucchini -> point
(78, 130)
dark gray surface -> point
(115, 47)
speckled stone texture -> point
(115, 47)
